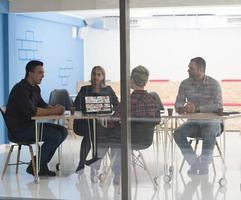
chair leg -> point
(219, 151)
(147, 169)
(134, 166)
(157, 132)
(214, 169)
(18, 158)
(7, 160)
(32, 158)
(183, 160)
(196, 144)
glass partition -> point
(154, 100)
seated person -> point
(81, 127)
(198, 93)
(145, 114)
(24, 102)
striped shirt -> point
(207, 95)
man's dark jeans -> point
(52, 136)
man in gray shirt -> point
(198, 93)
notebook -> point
(96, 104)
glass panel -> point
(163, 165)
(77, 52)
(99, 50)
(187, 150)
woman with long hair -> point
(82, 127)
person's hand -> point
(181, 110)
(59, 109)
(220, 111)
(189, 107)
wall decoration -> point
(28, 47)
(65, 72)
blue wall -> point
(3, 59)
(46, 37)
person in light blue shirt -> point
(198, 93)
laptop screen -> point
(97, 104)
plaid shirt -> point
(144, 107)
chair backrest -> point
(10, 134)
(141, 135)
(60, 96)
(142, 130)
(3, 111)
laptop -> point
(96, 104)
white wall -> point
(166, 53)
(101, 48)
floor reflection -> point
(88, 186)
(201, 187)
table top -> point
(79, 115)
(66, 115)
(201, 116)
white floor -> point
(68, 185)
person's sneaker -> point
(204, 166)
(203, 170)
(91, 161)
(29, 169)
(192, 171)
(195, 167)
(79, 169)
(116, 180)
(94, 175)
(44, 171)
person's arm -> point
(45, 109)
(50, 110)
(115, 118)
(41, 103)
(78, 99)
(181, 99)
(24, 103)
(114, 98)
(77, 102)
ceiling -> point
(149, 12)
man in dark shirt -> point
(24, 102)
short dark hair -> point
(200, 62)
(140, 75)
(31, 65)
